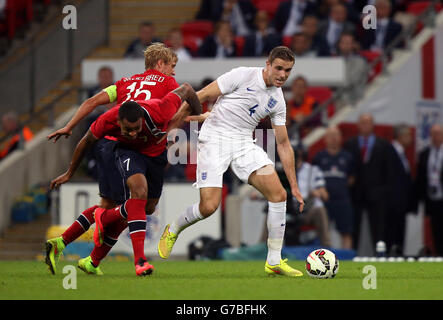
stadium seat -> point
(416, 8)
(240, 44)
(24, 10)
(287, 41)
(197, 29)
(371, 56)
(45, 2)
(18, 13)
(192, 43)
(8, 24)
(321, 94)
(270, 6)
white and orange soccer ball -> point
(322, 264)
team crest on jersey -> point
(204, 175)
(271, 103)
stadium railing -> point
(49, 55)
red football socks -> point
(80, 226)
(110, 238)
(137, 226)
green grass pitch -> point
(220, 280)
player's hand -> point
(297, 195)
(169, 144)
(57, 182)
(65, 131)
(200, 117)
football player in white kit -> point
(245, 96)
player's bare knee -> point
(107, 203)
(139, 192)
(208, 208)
(278, 196)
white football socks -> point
(189, 217)
(276, 231)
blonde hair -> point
(158, 51)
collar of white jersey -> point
(261, 81)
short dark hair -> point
(131, 111)
(103, 68)
(302, 78)
(281, 52)
(400, 129)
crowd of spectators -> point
(370, 174)
(309, 27)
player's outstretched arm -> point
(85, 143)
(286, 154)
(85, 109)
(187, 93)
(210, 92)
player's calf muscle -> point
(138, 186)
(150, 206)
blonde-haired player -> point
(159, 61)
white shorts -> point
(215, 154)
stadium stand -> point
(67, 91)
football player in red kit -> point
(154, 83)
(130, 168)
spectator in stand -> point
(290, 14)
(175, 42)
(371, 156)
(105, 78)
(396, 5)
(356, 68)
(10, 125)
(337, 167)
(220, 44)
(336, 24)
(301, 46)
(401, 191)
(146, 36)
(319, 43)
(430, 184)
(263, 40)
(324, 9)
(301, 106)
(239, 13)
(386, 31)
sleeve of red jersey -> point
(100, 127)
(173, 84)
(164, 110)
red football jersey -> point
(158, 113)
(151, 84)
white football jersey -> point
(245, 100)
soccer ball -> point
(322, 264)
